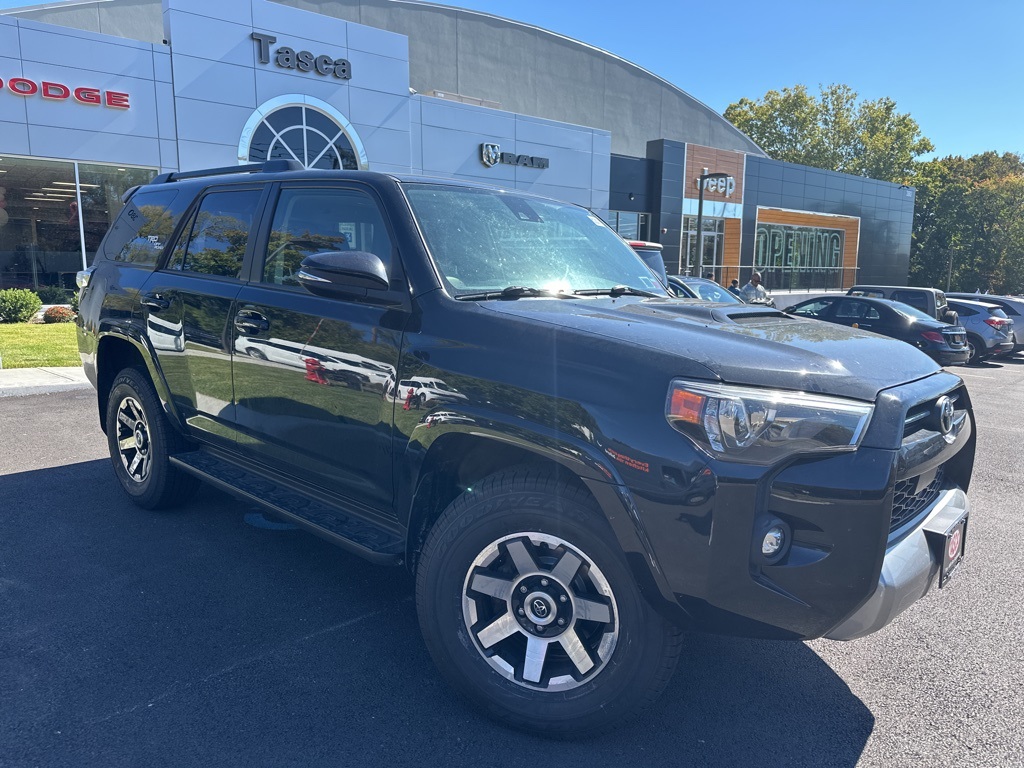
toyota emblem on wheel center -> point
(540, 608)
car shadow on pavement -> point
(204, 636)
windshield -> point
(488, 240)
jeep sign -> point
(723, 186)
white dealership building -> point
(97, 96)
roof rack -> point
(270, 166)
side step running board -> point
(359, 536)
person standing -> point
(734, 287)
(753, 291)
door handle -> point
(250, 323)
(154, 301)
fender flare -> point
(581, 458)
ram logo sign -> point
(491, 155)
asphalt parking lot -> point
(216, 636)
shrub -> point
(58, 315)
(52, 294)
(17, 305)
(74, 302)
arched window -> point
(301, 128)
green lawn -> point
(32, 345)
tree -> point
(969, 223)
(833, 131)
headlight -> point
(763, 426)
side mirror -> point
(338, 272)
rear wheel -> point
(528, 608)
(976, 346)
(141, 439)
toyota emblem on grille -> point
(540, 608)
(945, 408)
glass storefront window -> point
(631, 225)
(791, 256)
(713, 242)
(41, 226)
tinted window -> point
(916, 300)
(215, 241)
(308, 221)
(813, 309)
(144, 227)
(963, 310)
(850, 310)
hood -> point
(740, 344)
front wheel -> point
(529, 609)
(141, 439)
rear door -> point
(311, 373)
(188, 305)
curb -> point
(18, 382)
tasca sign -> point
(304, 61)
(491, 154)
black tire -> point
(977, 347)
(628, 651)
(141, 439)
(255, 353)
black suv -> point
(608, 464)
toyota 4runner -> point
(618, 465)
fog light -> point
(773, 541)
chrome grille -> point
(907, 505)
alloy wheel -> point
(540, 612)
(133, 442)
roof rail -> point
(270, 166)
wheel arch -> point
(456, 460)
(117, 351)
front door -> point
(310, 373)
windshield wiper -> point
(618, 290)
(513, 292)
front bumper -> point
(909, 571)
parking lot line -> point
(973, 374)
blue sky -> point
(956, 67)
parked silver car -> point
(1013, 306)
(989, 330)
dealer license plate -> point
(953, 550)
